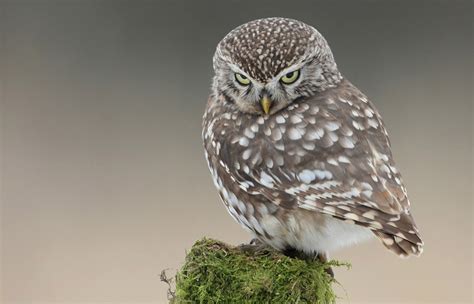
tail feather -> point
(400, 246)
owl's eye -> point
(243, 80)
(290, 77)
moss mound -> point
(215, 272)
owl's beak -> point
(266, 104)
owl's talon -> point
(323, 258)
(249, 248)
(329, 271)
(254, 246)
(254, 241)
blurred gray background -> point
(103, 179)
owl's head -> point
(265, 65)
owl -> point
(300, 156)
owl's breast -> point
(284, 141)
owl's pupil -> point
(289, 75)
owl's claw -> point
(329, 271)
(254, 246)
(324, 259)
(255, 241)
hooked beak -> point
(266, 104)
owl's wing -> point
(337, 161)
(356, 180)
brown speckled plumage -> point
(315, 175)
(266, 46)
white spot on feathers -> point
(266, 180)
(295, 119)
(243, 141)
(370, 214)
(306, 176)
(246, 154)
(332, 125)
(314, 134)
(280, 119)
(294, 134)
(346, 142)
(373, 123)
(343, 159)
(249, 133)
(357, 125)
(351, 216)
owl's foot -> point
(293, 253)
(255, 241)
(296, 254)
(254, 246)
(324, 259)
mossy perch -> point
(215, 272)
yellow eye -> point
(243, 80)
(290, 77)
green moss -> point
(215, 272)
